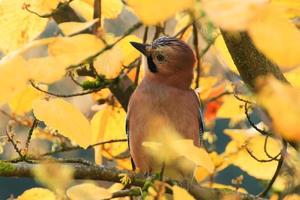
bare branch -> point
(34, 124)
(68, 95)
(65, 149)
(279, 165)
(112, 175)
(196, 43)
(56, 10)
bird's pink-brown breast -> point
(175, 108)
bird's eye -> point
(160, 57)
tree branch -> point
(248, 60)
(81, 171)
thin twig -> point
(196, 43)
(266, 151)
(65, 149)
(209, 44)
(97, 14)
(71, 75)
(34, 124)
(279, 165)
(66, 95)
(263, 132)
(218, 96)
(110, 46)
(261, 160)
(10, 138)
(60, 6)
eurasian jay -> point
(164, 93)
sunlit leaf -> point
(65, 118)
(13, 76)
(20, 25)
(109, 63)
(129, 53)
(70, 28)
(292, 197)
(232, 15)
(223, 54)
(54, 175)
(199, 156)
(88, 191)
(279, 98)
(163, 10)
(180, 193)
(292, 7)
(232, 109)
(107, 124)
(22, 101)
(37, 194)
(276, 37)
(236, 153)
(42, 7)
(98, 121)
(109, 8)
(46, 69)
(73, 50)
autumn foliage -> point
(67, 70)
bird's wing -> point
(128, 136)
(200, 119)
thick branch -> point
(112, 175)
(248, 60)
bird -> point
(164, 93)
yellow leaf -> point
(46, 69)
(198, 155)
(54, 175)
(110, 9)
(74, 50)
(236, 153)
(37, 194)
(292, 197)
(292, 7)
(182, 22)
(88, 191)
(116, 187)
(122, 54)
(283, 105)
(222, 186)
(98, 121)
(109, 63)
(22, 101)
(42, 7)
(275, 36)
(129, 53)
(107, 124)
(293, 77)
(65, 118)
(223, 53)
(232, 108)
(70, 28)
(20, 25)
(151, 12)
(13, 76)
(180, 193)
(232, 15)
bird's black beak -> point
(143, 48)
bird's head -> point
(167, 56)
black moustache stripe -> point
(151, 65)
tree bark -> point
(250, 63)
(102, 173)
